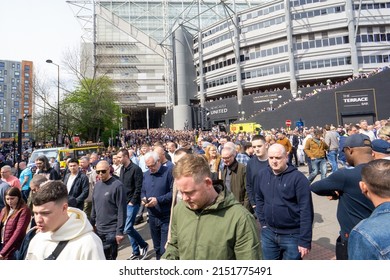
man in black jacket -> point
(77, 184)
(294, 140)
(131, 176)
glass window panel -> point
(325, 42)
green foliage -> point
(92, 108)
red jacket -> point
(15, 231)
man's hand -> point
(303, 251)
(335, 196)
(119, 238)
(152, 202)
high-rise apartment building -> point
(16, 98)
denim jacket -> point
(370, 239)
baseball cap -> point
(381, 146)
(357, 140)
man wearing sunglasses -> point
(108, 214)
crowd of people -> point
(316, 89)
(206, 194)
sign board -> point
(288, 122)
(353, 105)
(355, 101)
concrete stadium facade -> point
(131, 42)
(280, 47)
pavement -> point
(325, 231)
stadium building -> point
(224, 61)
(131, 42)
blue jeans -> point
(110, 246)
(135, 238)
(332, 157)
(279, 246)
(159, 232)
(25, 194)
(308, 161)
(319, 166)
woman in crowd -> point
(15, 218)
(214, 159)
(384, 133)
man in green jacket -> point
(209, 223)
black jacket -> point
(50, 174)
(79, 190)
(295, 140)
(132, 177)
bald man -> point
(108, 214)
(284, 208)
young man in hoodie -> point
(284, 208)
(56, 222)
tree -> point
(92, 108)
(44, 122)
(43, 131)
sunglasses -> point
(101, 171)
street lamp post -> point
(58, 140)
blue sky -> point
(37, 30)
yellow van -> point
(245, 127)
(62, 153)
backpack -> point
(21, 253)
